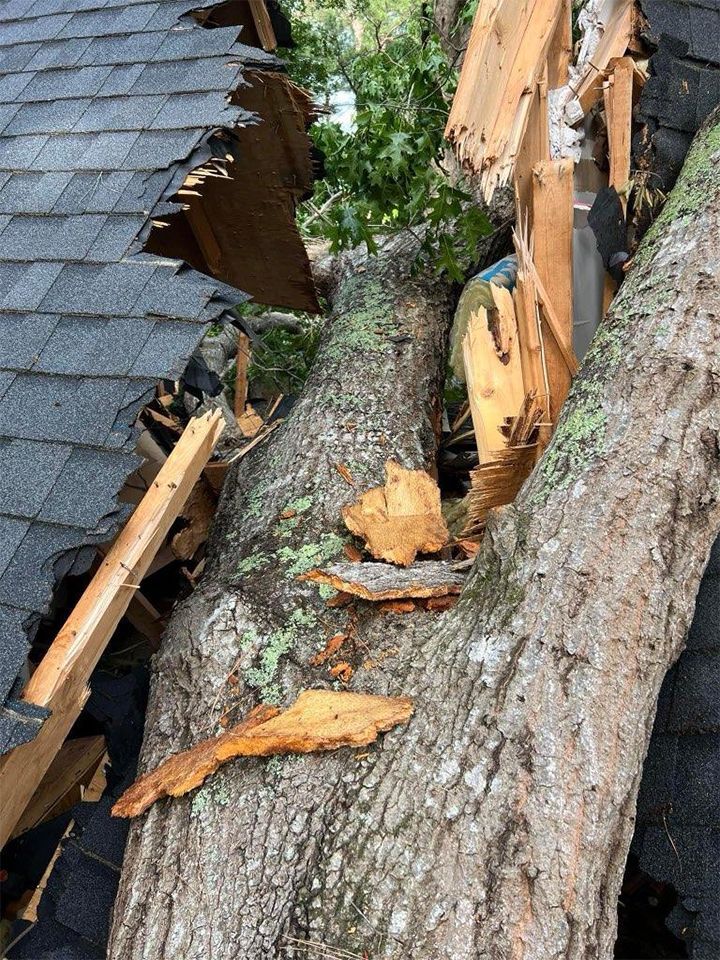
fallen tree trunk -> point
(496, 824)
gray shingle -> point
(62, 84)
(17, 153)
(84, 151)
(32, 192)
(121, 79)
(30, 286)
(12, 531)
(47, 117)
(168, 349)
(22, 338)
(111, 290)
(74, 411)
(187, 76)
(51, 237)
(59, 53)
(109, 113)
(20, 458)
(157, 149)
(94, 345)
(696, 699)
(73, 501)
(113, 20)
(115, 238)
(42, 545)
(18, 56)
(132, 48)
(13, 85)
(41, 28)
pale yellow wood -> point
(60, 681)
(263, 24)
(506, 58)
(560, 49)
(535, 147)
(618, 112)
(495, 388)
(73, 765)
(552, 256)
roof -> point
(105, 107)
(677, 837)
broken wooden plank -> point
(319, 720)
(618, 112)
(145, 618)
(382, 581)
(401, 518)
(493, 372)
(60, 681)
(504, 61)
(535, 148)
(263, 25)
(616, 37)
(561, 47)
(72, 767)
(552, 256)
(532, 357)
(242, 361)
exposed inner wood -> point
(318, 720)
(383, 581)
(238, 226)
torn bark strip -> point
(381, 581)
(318, 720)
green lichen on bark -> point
(309, 555)
(364, 319)
(263, 675)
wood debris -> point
(400, 519)
(503, 65)
(382, 581)
(318, 720)
(618, 18)
(493, 371)
(497, 483)
(330, 649)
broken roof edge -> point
(20, 721)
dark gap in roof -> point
(642, 913)
(241, 13)
(240, 227)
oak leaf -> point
(401, 518)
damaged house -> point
(474, 736)
(151, 156)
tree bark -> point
(496, 824)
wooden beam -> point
(263, 25)
(552, 255)
(618, 94)
(560, 49)
(60, 681)
(534, 149)
(73, 767)
(504, 62)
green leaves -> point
(386, 173)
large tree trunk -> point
(496, 824)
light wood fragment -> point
(552, 256)
(318, 720)
(263, 25)
(560, 49)
(618, 112)
(400, 519)
(493, 372)
(503, 64)
(382, 581)
(60, 681)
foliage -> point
(384, 174)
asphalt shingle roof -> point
(104, 108)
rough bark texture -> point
(496, 824)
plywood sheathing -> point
(613, 44)
(503, 64)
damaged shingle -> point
(104, 109)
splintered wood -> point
(400, 519)
(318, 720)
(381, 581)
(504, 62)
(492, 371)
(617, 15)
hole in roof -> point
(262, 24)
(237, 221)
